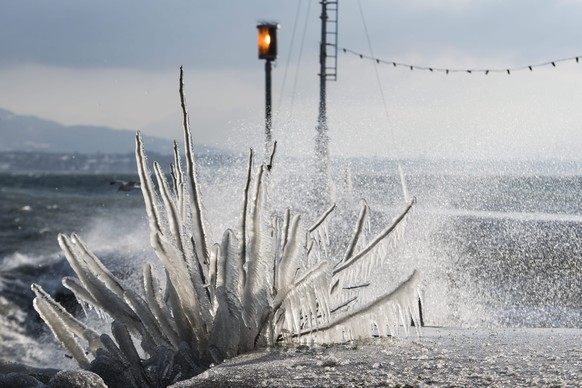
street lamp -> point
(267, 42)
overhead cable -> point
(507, 70)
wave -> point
(504, 215)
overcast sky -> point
(116, 63)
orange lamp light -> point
(267, 40)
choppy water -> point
(33, 210)
(496, 250)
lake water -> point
(498, 249)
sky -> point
(116, 63)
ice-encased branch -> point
(358, 231)
(244, 218)
(198, 222)
(263, 279)
(256, 297)
(381, 236)
(64, 326)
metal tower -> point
(327, 72)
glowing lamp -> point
(267, 40)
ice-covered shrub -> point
(267, 280)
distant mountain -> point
(32, 134)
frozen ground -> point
(442, 357)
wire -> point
(507, 70)
(291, 46)
(294, 90)
(385, 105)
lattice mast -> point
(327, 71)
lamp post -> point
(267, 42)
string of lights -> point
(507, 70)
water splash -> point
(268, 278)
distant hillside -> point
(32, 134)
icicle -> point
(404, 299)
(230, 270)
(319, 232)
(403, 184)
(285, 231)
(312, 286)
(288, 267)
(82, 295)
(212, 269)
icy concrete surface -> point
(442, 357)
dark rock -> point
(113, 372)
(20, 380)
(41, 374)
(76, 379)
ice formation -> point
(266, 281)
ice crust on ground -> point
(442, 357)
